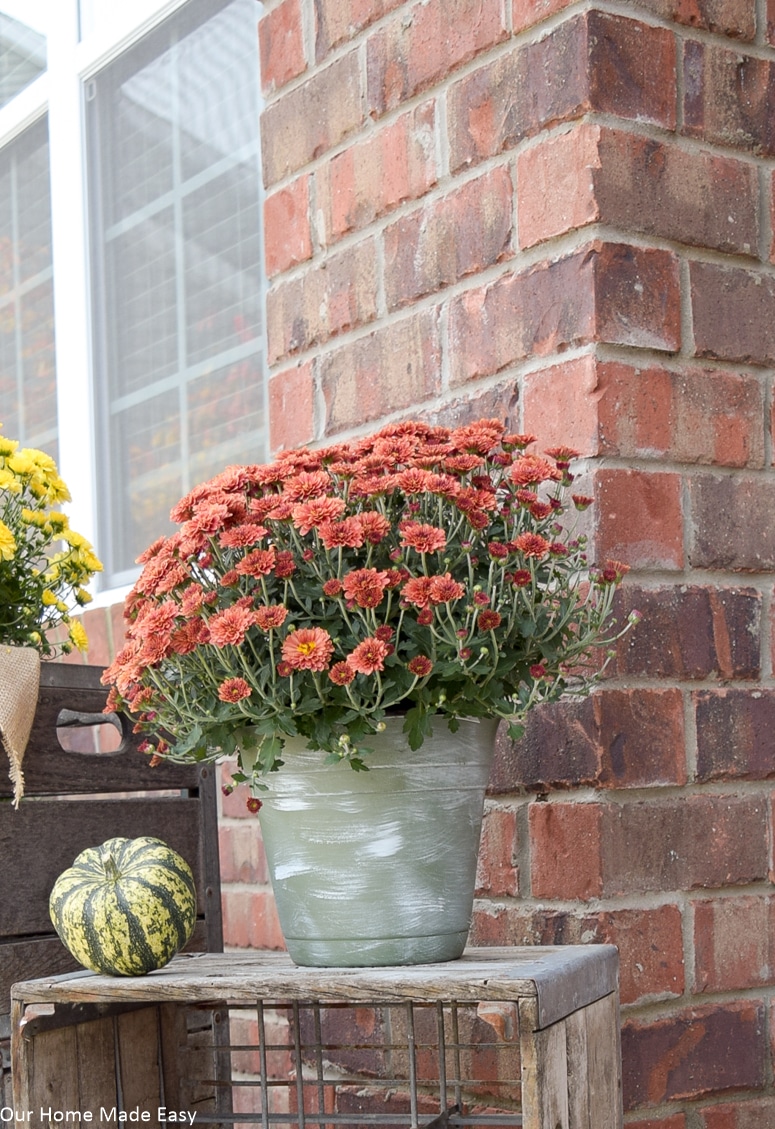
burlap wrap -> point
(19, 683)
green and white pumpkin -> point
(126, 907)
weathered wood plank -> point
(79, 824)
(544, 1060)
(137, 1034)
(481, 974)
(96, 1066)
(603, 1082)
(578, 1065)
(53, 1079)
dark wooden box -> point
(78, 799)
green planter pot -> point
(378, 867)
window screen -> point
(22, 56)
(173, 152)
(27, 364)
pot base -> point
(378, 952)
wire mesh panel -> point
(329, 1064)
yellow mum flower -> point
(78, 635)
(87, 558)
(83, 597)
(10, 482)
(58, 521)
(48, 598)
(7, 543)
(56, 490)
(77, 540)
(22, 462)
(8, 446)
(33, 517)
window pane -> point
(173, 150)
(22, 56)
(140, 292)
(146, 439)
(239, 394)
(223, 281)
(27, 361)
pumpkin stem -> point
(112, 872)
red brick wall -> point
(565, 218)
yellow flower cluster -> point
(44, 564)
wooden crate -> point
(502, 1037)
(78, 799)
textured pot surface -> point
(378, 867)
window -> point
(152, 260)
(22, 56)
(27, 367)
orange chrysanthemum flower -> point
(233, 690)
(422, 538)
(444, 589)
(271, 615)
(365, 586)
(529, 470)
(369, 656)
(531, 545)
(229, 627)
(309, 648)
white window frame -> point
(84, 36)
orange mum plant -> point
(421, 570)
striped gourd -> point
(126, 907)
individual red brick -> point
(733, 313)
(372, 177)
(634, 183)
(608, 407)
(96, 624)
(734, 943)
(528, 13)
(692, 1053)
(556, 184)
(641, 737)
(241, 854)
(560, 749)
(734, 734)
(729, 98)
(308, 309)
(117, 628)
(607, 292)
(690, 632)
(683, 843)
(561, 406)
(565, 850)
(687, 416)
(425, 42)
(456, 235)
(636, 297)
(745, 540)
(757, 1113)
(591, 62)
(650, 940)
(281, 45)
(310, 119)
(497, 874)
(639, 518)
(670, 1121)
(396, 366)
(337, 21)
(287, 235)
(735, 18)
(291, 408)
(250, 919)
